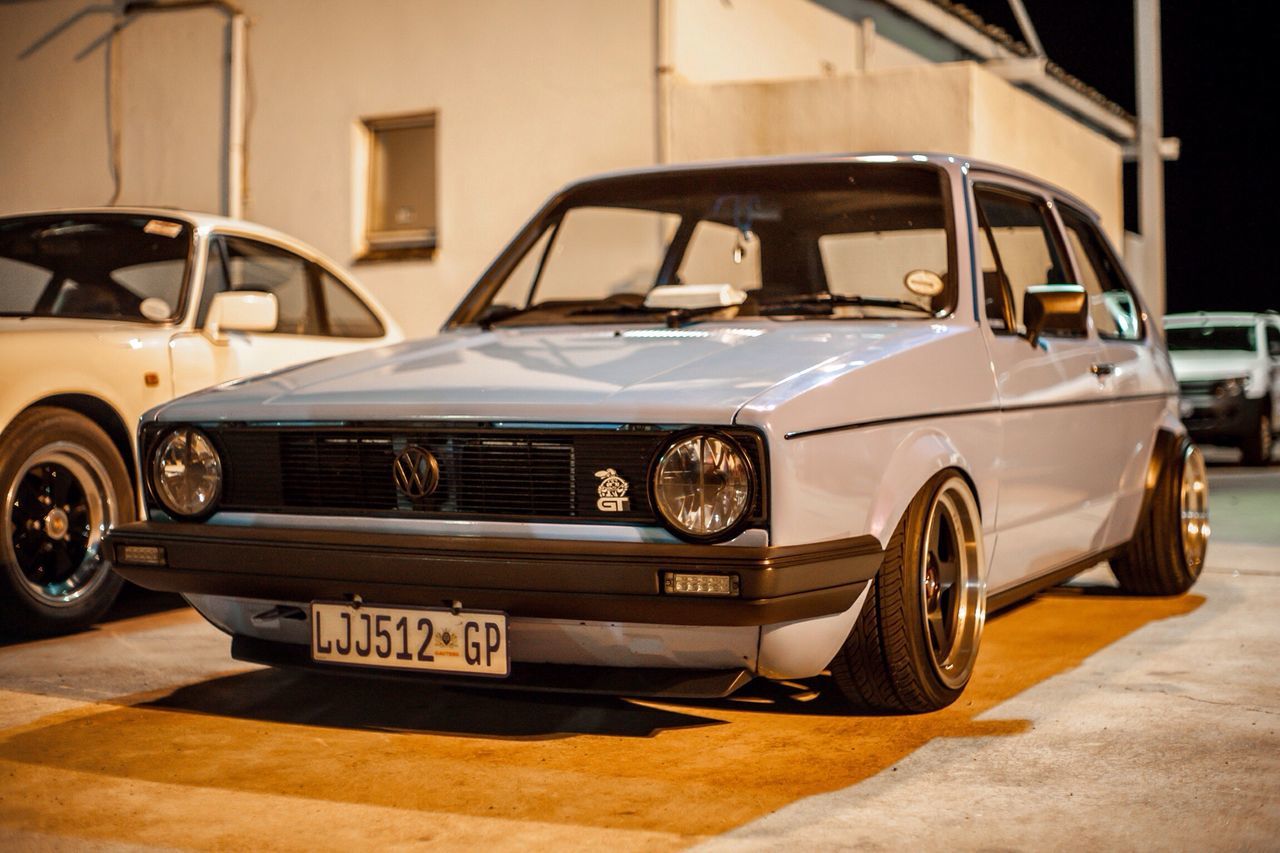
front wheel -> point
(64, 486)
(915, 642)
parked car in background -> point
(105, 314)
(1228, 369)
(696, 425)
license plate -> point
(471, 642)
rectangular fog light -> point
(141, 555)
(680, 583)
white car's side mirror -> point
(241, 311)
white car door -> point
(1135, 376)
(319, 316)
(1056, 487)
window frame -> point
(421, 244)
(546, 218)
(1061, 209)
(1054, 226)
(314, 286)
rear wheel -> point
(916, 640)
(64, 486)
(1168, 547)
(1257, 446)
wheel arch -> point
(1163, 447)
(918, 459)
(105, 416)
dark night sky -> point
(1219, 95)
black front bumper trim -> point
(534, 578)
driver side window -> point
(1017, 249)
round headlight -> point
(702, 485)
(186, 472)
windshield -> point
(99, 266)
(1232, 338)
(785, 241)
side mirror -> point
(241, 311)
(1061, 309)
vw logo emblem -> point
(416, 472)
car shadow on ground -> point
(691, 767)
(351, 702)
(134, 601)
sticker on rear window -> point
(163, 228)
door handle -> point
(1102, 368)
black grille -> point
(485, 472)
(1197, 388)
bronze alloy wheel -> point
(952, 603)
(1194, 508)
(915, 641)
(1167, 551)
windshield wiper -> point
(498, 313)
(675, 317)
(826, 302)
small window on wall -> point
(400, 218)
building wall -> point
(528, 97)
(717, 42)
(953, 107)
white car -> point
(105, 314)
(1228, 369)
(696, 425)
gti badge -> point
(613, 492)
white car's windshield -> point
(795, 241)
(1223, 338)
(96, 266)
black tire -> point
(1166, 555)
(1256, 448)
(889, 663)
(54, 584)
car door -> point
(1056, 489)
(1136, 378)
(319, 316)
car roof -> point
(197, 219)
(948, 162)
(1212, 318)
(203, 223)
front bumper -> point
(534, 578)
(1226, 420)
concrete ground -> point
(1094, 721)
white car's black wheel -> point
(64, 486)
(1168, 547)
(914, 645)
(1256, 448)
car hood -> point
(702, 373)
(1199, 365)
(12, 325)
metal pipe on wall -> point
(662, 72)
(232, 166)
(1146, 15)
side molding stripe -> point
(958, 413)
